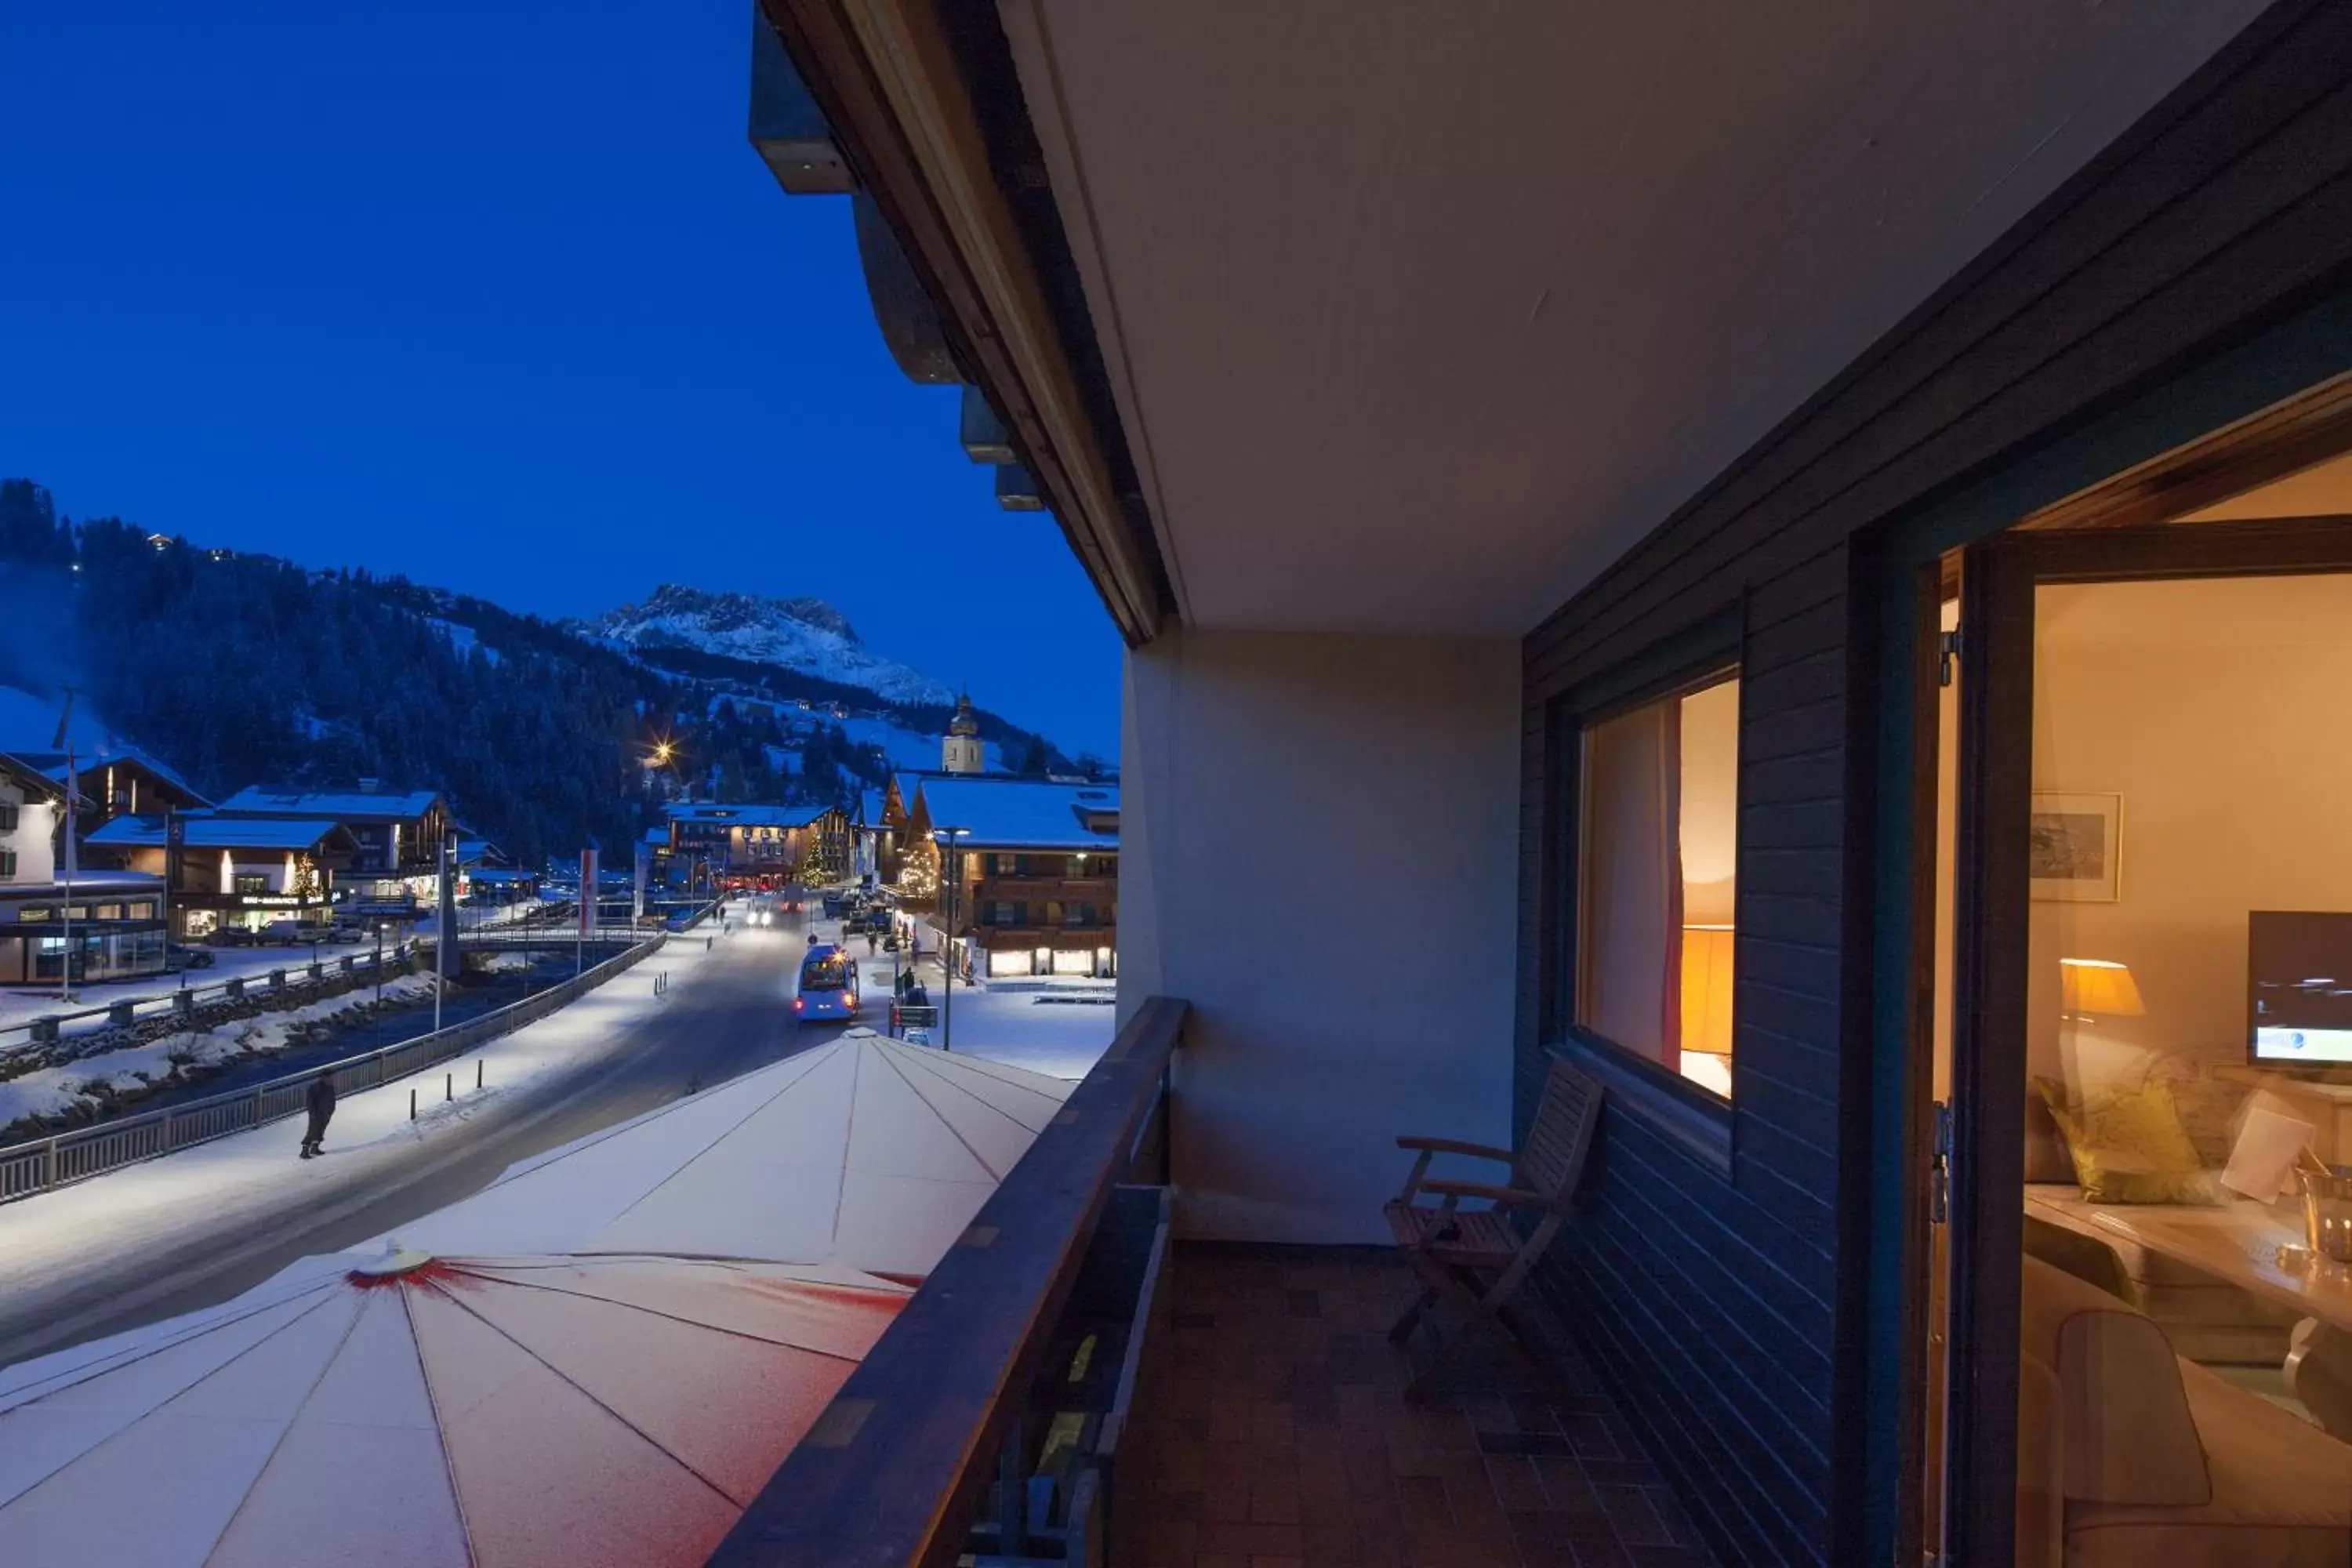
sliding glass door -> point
(2145, 1040)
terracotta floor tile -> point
(1427, 1514)
(1602, 1553)
(1565, 1483)
(1287, 1441)
(1516, 1483)
(1635, 1522)
(1251, 1540)
(1178, 1465)
(1273, 1500)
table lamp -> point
(2097, 988)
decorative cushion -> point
(2128, 1145)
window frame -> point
(1711, 651)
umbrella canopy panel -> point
(867, 1152)
(498, 1412)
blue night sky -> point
(498, 297)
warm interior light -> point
(2099, 987)
(1706, 989)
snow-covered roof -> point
(657, 836)
(53, 764)
(337, 805)
(869, 807)
(1021, 813)
(203, 830)
(745, 815)
(30, 778)
(474, 849)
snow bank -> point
(87, 1085)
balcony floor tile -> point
(1295, 1444)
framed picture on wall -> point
(2076, 847)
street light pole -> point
(951, 877)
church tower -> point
(961, 751)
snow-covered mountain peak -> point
(804, 635)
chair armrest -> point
(1455, 1146)
(1515, 1196)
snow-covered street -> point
(198, 1213)
(1057, 1026)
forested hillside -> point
(241, 669)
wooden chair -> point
(1475, 1260)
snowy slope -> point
(804, 635)
(28, 722)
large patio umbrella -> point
(864, 1151)
(403, 1409)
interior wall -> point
(1318, 844)
(2215, 708)
(1709, 802)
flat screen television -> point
(2299, 987)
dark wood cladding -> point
(889, 1475)
(1726, 1308)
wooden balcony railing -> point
(896, 1471)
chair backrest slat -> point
(1553, 1156)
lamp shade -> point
(1706, 989)
(2100, 987)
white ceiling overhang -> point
(1419, 315)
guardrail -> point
(544, 936)
(159, 1004)
(66, 1157)
(897, 1472)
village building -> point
(238, 873)
(114, 783)
(1030, 880)
(396, 834)
(111, 922)
(720, 847)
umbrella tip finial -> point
(396, 1261)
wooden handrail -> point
(889, 1475)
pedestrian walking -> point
(872, 945)
(322, 1101)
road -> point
(735, 1015)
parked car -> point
(285, 933)
(179, 956)
(346, 933)
(229, 936)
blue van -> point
(828, 984)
